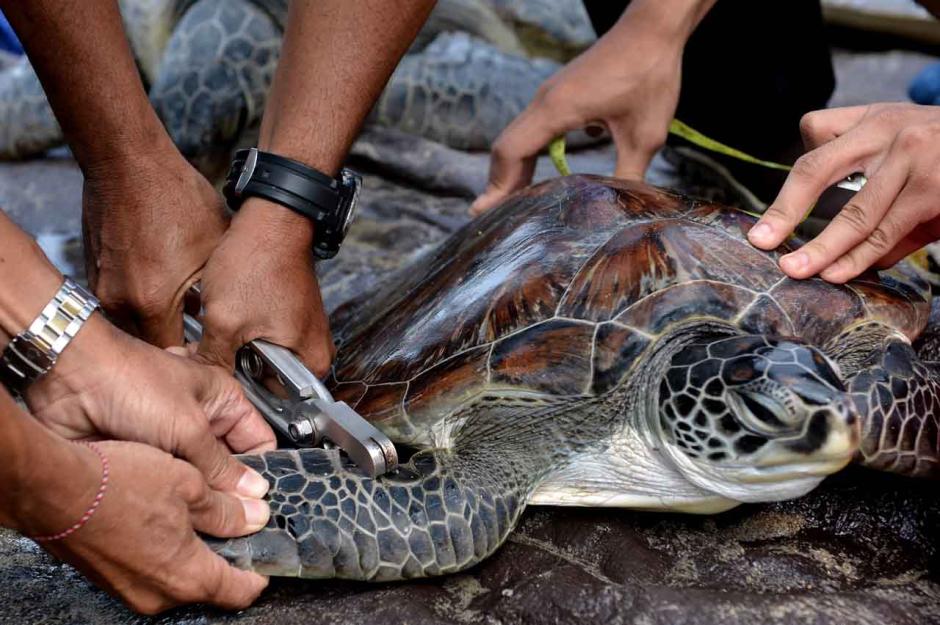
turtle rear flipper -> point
(27, 124)
(214, 77)
(898, 396)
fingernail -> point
(251, 484)
(760, 232)
(257, 513)
(795, 261)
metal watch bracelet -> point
(33, 352)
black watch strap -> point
(328, 202)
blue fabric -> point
(8, 39)
(925, 88)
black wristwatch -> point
(328, 202)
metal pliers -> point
(302, 410)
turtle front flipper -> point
(27, 124)
(214, 78)
(442, 512)
(898, 397)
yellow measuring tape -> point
(556, 149)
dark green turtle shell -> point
(562, 289)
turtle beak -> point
(827, 442)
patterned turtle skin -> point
(208, 65)
(595, 342)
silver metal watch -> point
(33, 352)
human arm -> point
(107, 384)
(336, 57)
(627, 81)
(150, 220)
(140, 544)
(897, 147)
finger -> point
(819, 127)
(852, 225)
(633, 156)
(896, 225)
(217, 582)
(230, 415)
(512, 161)
(195, 443)
(226, 516)
(908, 245)
(217, 347)
(811, 175)
(316, 348)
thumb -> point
(512, 162)
(195, 443)
(230, 415)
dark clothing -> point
(750, 71)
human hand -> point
(149, 226)
(260, 284)
(627, 82)
(141, 543)
(107, 384)
(897, 147)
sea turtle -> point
(595, 342)
(208, 65)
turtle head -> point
(754, 418)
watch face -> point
(353, 182)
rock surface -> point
(863, 548)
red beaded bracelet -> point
(105, 474)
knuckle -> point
(880, 239)
(190, 485)
(855, 217)
(811, 124)
(807, 165)
(884, 112)
(914, 137)
(219, 321)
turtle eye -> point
(760, 413)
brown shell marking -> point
(817, 308)
(553, 357)
(702, 298)
(895, 299)
(510, 269)
(439, 387)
